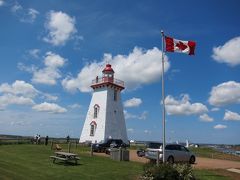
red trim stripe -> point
(93, 122)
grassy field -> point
(32, 162)
(28, 161)
(211, 175)
(212, 153)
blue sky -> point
(50, 51)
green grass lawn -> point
(209, 175)
(32, 162)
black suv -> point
(109, 143)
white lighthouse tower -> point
(105, 117)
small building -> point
(105, 117)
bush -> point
(167, 172)
(185, 171)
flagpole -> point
(163, 101)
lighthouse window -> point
(96, 110)
(115, 95)
(92, 130)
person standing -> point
(46, 140)
(68, 138)
(38, 139)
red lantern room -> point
(107, 79)
(108, 73)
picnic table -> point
(65, 156)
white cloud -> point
(183, 106)
(220, 126)
(128, 115)
(134, 102)
(215, 109)
(1, 2)
(29, 69)
(49, 107)
(142, 116)
(51, 73)
(60, 27)
(28, 16)
(49, 97)
(11, 99)
(34, 53)
(19, 88)
(75, 106)
(31, 15)
(16, 7)
(21, 93)
(147, 131)
(229, 53)
(47, 76)
(24, 15)
(53, 60)
(225, 93)
(131, 130)
(138, 68)
(205, 118)
(231, 116)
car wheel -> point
(170, 160)
(192, 160)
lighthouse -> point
(105, 117)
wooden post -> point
(69, 147)
(75, 144)
(91, 149)
(120, 154)
(52, 145)
(158, 158)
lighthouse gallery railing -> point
(108, 79)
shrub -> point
(185, 171)
(167, 172)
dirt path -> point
(206, 163)
(201, 163)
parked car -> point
(110, 143)
(173, 153)
(141, 152)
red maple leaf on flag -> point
(181, 46)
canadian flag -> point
(175, 45)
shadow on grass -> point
(67, 163)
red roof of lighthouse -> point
(108, 68)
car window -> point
(184, 149)
(169, 147)
(155, 145)
(177, 147)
